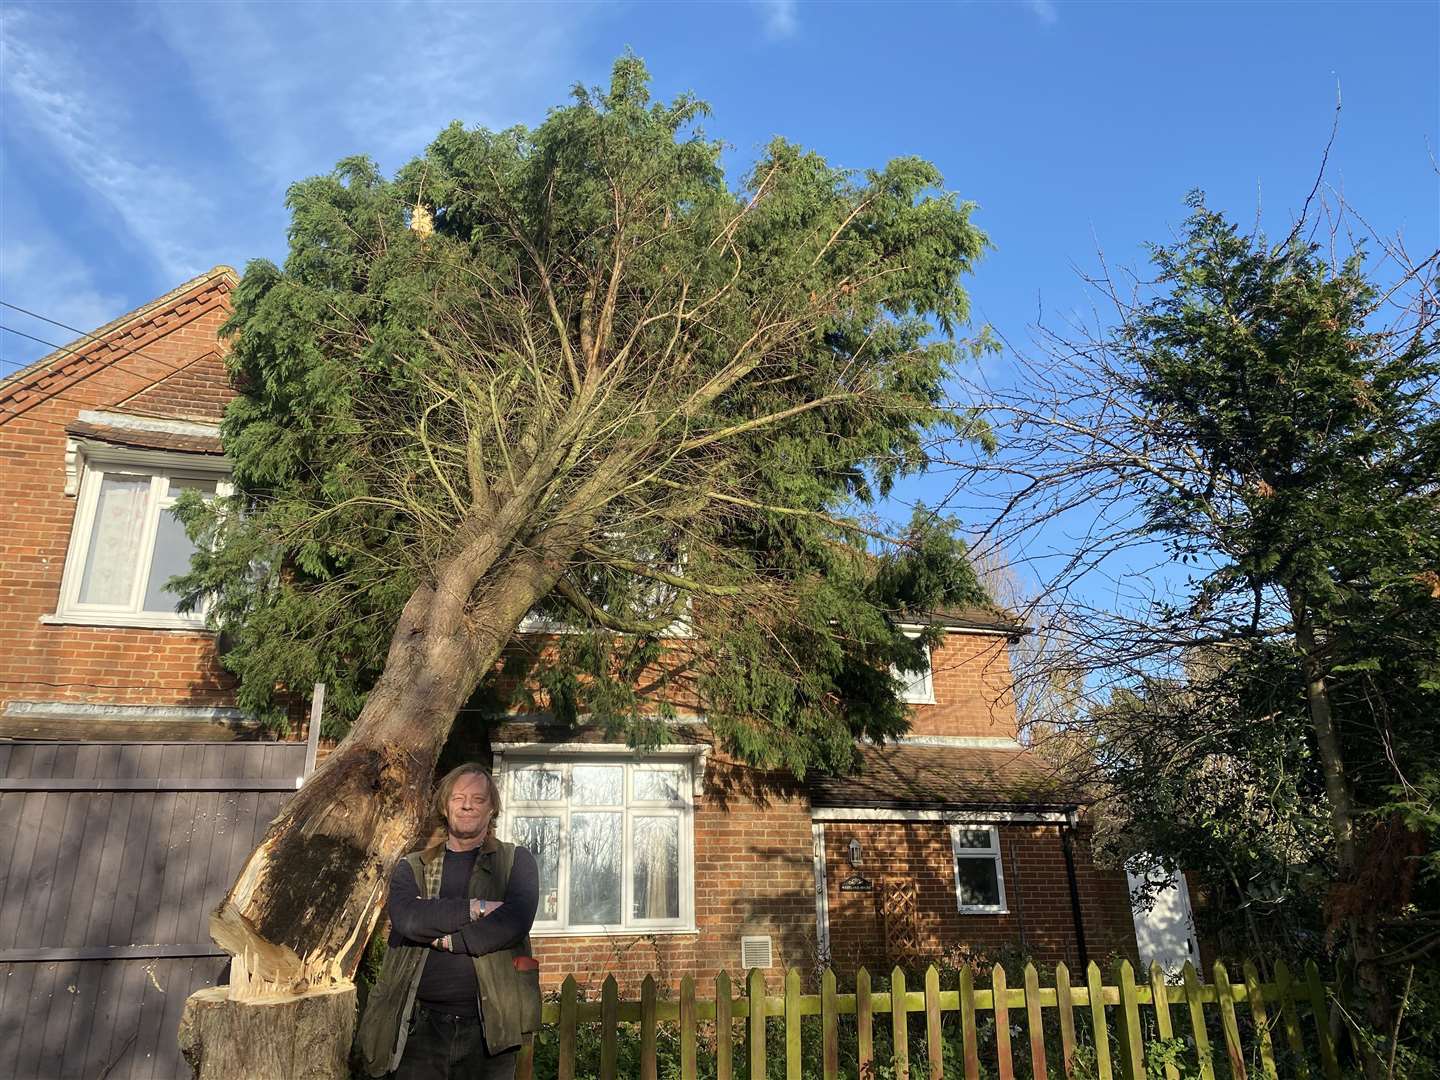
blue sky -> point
(144, 143)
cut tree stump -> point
(304, 1037)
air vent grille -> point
(755, 952)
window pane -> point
(656, 848)
(110, 562)
(977, 882)
(182, 483)
(595, 851)
(658, 785)
(541, 836)
(597, 785)
(537, 785)
(974, 838)
(171, 558)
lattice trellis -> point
(900, 907)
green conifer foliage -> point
(676, 399)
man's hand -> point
(480, 908)
(443, 942)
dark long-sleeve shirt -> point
(419, 922)
(448, 980)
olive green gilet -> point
(509, 999)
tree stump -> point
(304, 1037)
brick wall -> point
(1040, 920)
(754, 874)
(970, 672)
(974, 693)
(175, 377)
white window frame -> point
(919, 688)
(683, 810)
(160, 467)
(992, 854)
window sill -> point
(132, 622)
(984, 910)
(613, 931)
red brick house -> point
(97, 439)
(679, 861)
(684, 861)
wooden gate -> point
(112, 856)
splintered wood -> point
(301, 910)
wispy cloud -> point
(1045, 10)
(296, 87)
(37, 273)
(781, 18)
(67, 108)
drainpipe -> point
(1067, 844)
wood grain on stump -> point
(305, 1037)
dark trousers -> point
(442, 1047)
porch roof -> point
(906, 776)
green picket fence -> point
(1068, 1030)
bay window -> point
(613, 841)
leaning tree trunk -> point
(297, 919)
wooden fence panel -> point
(755, 992)
(1268, 1003)
(1290, 1020)
(1160, 1002)
(864, 1023)
(1004, 1066)
(1066, 1006)
(724, 1029)
(1321, 1012)
(112, 856)
(1228, 1024)
(687, 1028)
(1255, 996)
(1197, 1022)
(647, 1029)
(968, 1030)
(1132, 1054)
(792, 1025)
(568, 993)
(899, 1029)
(1099, 1028)
(609, 1029)
(1035, 1023)
(934, 1043)
(829, 1027)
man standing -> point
(459, 988)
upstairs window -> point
(613, 841)
(979, 877)
(126, 543)
(919, 687)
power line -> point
(32, 337)
(46, 318)
(86, 336)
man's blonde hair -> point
(446, 788)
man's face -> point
(469, 810)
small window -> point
(614, 842)
(919, 688)
(979, 877)
(127, 543)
